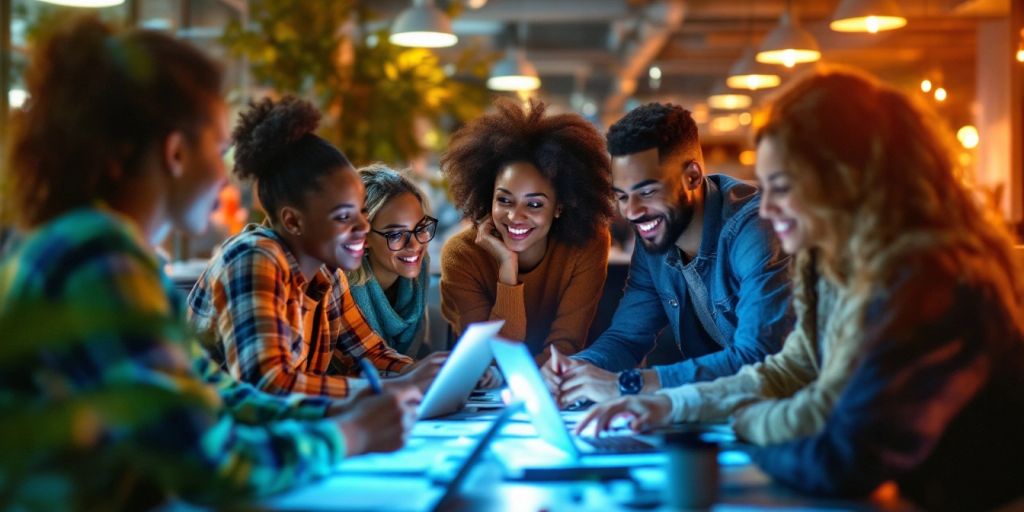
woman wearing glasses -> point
(272, 307)
(538, 189)
(390, 287)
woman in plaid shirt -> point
(123, 140)
(274, 307)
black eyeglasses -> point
(398, 240)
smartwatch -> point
(631, 382)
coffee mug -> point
(692, 479)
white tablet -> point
(460, 373)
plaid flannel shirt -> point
(267, 325)
(90, 274)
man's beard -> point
(677, 220)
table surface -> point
(412, 483)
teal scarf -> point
(398, 325)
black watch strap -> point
(631, 382)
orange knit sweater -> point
(553, 304)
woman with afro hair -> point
(274, 307)
(538, 190)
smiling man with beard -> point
(706, 266)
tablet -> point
(461, 371)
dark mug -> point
(692, 479)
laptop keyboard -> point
(619, 444)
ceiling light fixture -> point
(871, 16)
(788, 43)
(423, 25)
(749, 74)
(513, 73)
(968, 136)
(722, 99)
(1020, 47)
(85, 3)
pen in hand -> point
(371, 375)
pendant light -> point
(788, 43)
(723, 99)
(514, 72)
(749, 74)
(423, 25)
(85, 3)
(871, 16)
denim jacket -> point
(738, 282)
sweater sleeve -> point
(787, 413)
(580, 297)
(920, 369)
(465, 276)
(778, 375)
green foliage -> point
(372, 93)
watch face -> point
(631, 382)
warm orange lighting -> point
(870, 24)
(926, 85)
(968, 136)
(746, 119)
(753, 82)
(748, 157)
(1020, 55)
(788, 57)
(788, 44)
(724, 124)
(729, 101)
(940, 94)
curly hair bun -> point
(267, 130)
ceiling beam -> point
(637, 61)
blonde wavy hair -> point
(382, 184)
(877, 169)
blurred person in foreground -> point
(107, 401)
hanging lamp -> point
(514, 72)
(85, 3)
(871, 16)
(423, 25)
(749, 74)
(788, 43)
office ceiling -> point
(595, 55)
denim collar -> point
(710, 231)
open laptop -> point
(461, 371)
(524, 379)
